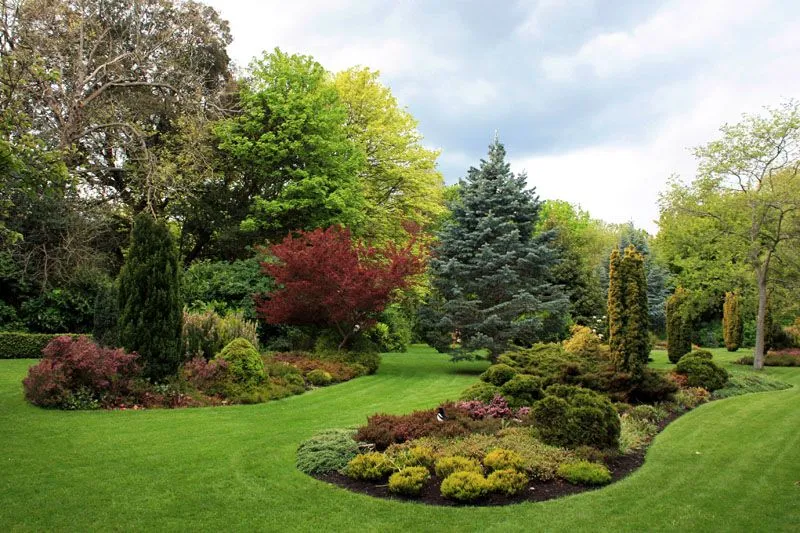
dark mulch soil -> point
(620, 466)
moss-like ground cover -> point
(731, 465)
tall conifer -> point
(627, 311)
(679, 341)
(732, 325)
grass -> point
(732, 465)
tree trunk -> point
(758, 354)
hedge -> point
(16, 345)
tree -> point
(732, 324)
(490, 274)
(679, 341)
(747, 193)
(627, 311)
(151, 309)
(399, 181)
(327, 279)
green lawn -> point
(732, 465)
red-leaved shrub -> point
(305, 364)
(209, 377)
(79, 368)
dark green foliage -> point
(628, 311)
(732, 324)
(522, 390)
(17, 345)
(585, 473)
(702, 372)
(245, 365)
(225, 286)
(327, 451)
(106, 316)
(409, 480)
(573, 416)
(393, 332)
(60, 309)
(678, 333)
(549, 361)
(702, 354)
(498, 374)
(490, 274)
(151, 309)
(480, 391)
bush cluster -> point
(372, 466)
(572, 416)
(328, 451)
(507, 481)
(701, 371)
(502, 459)
(307, 362)
(465, 486)
(449, 465)
(206, 333)
(498, 374)
(409, 481)
(585, 473)
(319, 378)
(17, 345)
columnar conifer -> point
(732, 325)
(627, 311)
(679, 342)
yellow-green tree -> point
(679, 342)
(627, 311)
(732, 325)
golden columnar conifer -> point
(679, 342)
(627, 311)
(732, 325)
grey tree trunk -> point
(758, 354)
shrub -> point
(409, 480)
(777, 358)
(464, 486)
(635, 433)
(372, 466)
(522, 390)
(701, 371)
(18, 345)
(691, 397)
(678, 334)
(319, 378)
(746, 383)
(498, 374)
(501, 459)
(306, 362)
(481, 391)
(702, 354)
(245, 365)
(497, 408)
(206, 333)
(79, 367)
(393, 331)
(448, 465)
(648, 413)
(328, 451)
(549, 361)
(369, 360)
(106, 314)
(650, 386)
(573, 416)
(583, 342)
(411, 455)
(508, 481)
(584, 473)
(210, 377)
(732, 324)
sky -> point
(600, 101)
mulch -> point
(619, 466)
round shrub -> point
(319, 378)
(448, 465)
(419, 455)
(480, 391)
(583, 342)
(501, 459)
(702, 372)
(573, 416)
(498, 374)
(584, 473)
(702, 354)
(409, 480)
(508, 481)
(464, 486)
(328, 451)
(245, 365)
(522, 390)
(372, 466)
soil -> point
(620, 466)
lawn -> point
(732, 465)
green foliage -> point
(702, 372)
(327, 451)
(508, 481)
(225, 287)
(572, 416)
(480, 391)
(106, 316)
(635, 433)
(319, 378)
(490, 274)
(393, 331)
(151, 309)
(59, 309)
(691, 397)
(409, 481)
(522, 390)
(678, 325)
(448, 465)
(17, 345)
(583, 342)
(585, 473)
(702, 354)
(372, 466)
(732, 324)
(465, 486)
(627, 311)
(204, 334)
(501, 459)
(740, 383)
(245, 365)
(497, 375)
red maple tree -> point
(326, 278)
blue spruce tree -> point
(490, 273)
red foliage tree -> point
(328, 279)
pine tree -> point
(490, 274)
(151, 309)
(732, 325)
(679, 341)
(627, 311)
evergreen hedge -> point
(18, 345)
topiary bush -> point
(498, 374)
(245, 365)
(480, 391)
(372, 466)
(448, 465)
(319, 378)
(465, 486)
(328, 451)
(509, 481)
(573, 416)
(409, 481)
(701, 371)
(679, 341)
(584, 473)
(522, 390)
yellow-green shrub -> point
(501, 459)
(464, 486)
(409, 480)
(508, 481)
(448, 465)
(371, 466)
(584, 473)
